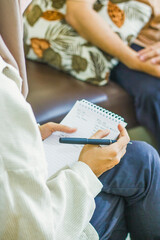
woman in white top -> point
(62, 207)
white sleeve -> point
(30, 208)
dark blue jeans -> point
(145, 90)
(130, 198)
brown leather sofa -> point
(52, 94)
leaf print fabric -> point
(48, 38)
(58, 4)
(34, 15)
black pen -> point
(87, 141)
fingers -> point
(148, 55)
(122, 130)
(150, 52)
(100, 134)
(123, 138)
(121, 144)
(111, 155)
(145, 50)
(116, 150)
(59, 127)
(155, 60)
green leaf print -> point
(130, 39)
(78, 63)
(107, 56)
(88, 44)
(34, 15)
(58, 3)
(98, 64)
(94, 81)
(26, 49)
(98, 6)
(53, 58)
(60, 36)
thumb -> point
(123, 131)
(100, 134)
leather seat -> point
(53, 93)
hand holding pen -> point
(83, 141)
(101, 159)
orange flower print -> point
(116, 14)
(39, 45)
(52, 15)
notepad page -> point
(87, 121)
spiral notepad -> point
(87, 118)
(113, 118)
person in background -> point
(145, 88)
(98, 44)
(104, 195)
(138, 73)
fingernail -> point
(142, 58)
(153, 61)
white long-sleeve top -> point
(31, 207)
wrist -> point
(132, 61)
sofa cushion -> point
(52, 94)
(49, 38)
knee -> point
(149, 99)
(147, 156)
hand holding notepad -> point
(87, 118)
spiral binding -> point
(102, 111)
